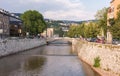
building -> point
(66, 26)
(7, 21)
(4, 23)
(49, 33)
(15, 26)
(112, 14)
(113, 8)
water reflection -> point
(49, 60)
(34, 63)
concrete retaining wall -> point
(13, 46)
(109, 54)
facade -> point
(4, 23)
(112, 14)
(49, 33)
(7, 21)
(113, 8)
(65, 26)
(15, 26)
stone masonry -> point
(13, 46)
(109, 54)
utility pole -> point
(109, 35)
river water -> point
(55, 59)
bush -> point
(97, 62)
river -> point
(55, 59)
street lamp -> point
(1, 29)
(46, 31)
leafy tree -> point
(33, 22)
(89, 30)
(115, 28)
(92, 30)
(101, 16)
(72, 31)
(80, 30)
(61, 33)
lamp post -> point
(110, 16)
(47, 29)
(46, 32)
(1, 30)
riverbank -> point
(51, 60)
(97, 71)
(8, 47)
(109, 56)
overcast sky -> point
(57, 9)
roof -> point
(2, 11)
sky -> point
(76, 10)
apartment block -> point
(112, 14)
(113, 9)
(10, 25)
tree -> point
(101, 16)
(72, 31)
(115, 28)
(33, 22)
(61, 33)
(89, 30)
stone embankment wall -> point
(109, 54)
(13, 46)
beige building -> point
(49, 33)
(112, 14)
(113, 8)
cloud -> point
(30, 1)
(69, 10)
(53, 9)
(69, 15)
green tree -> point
(61, 33)
(72, 31)
(115, 28)
(33, 22)
(80, 30)
(101, 16)
(89, 30)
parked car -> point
(100, 40)
(93, 39)
(116, 41)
